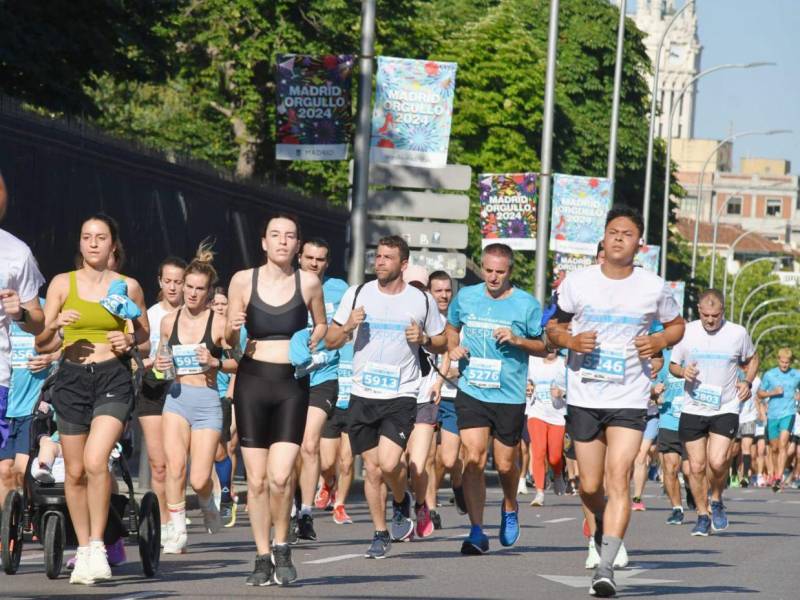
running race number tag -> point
(709, 395)
(185, 358)
(345, 375)
(543, 393)
(484, 372)
(21, 350)
(605, 363)
(381, 377)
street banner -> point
(508, 209)
(579, 212)
(412, 112)
(647, 257)
(564, 264)
(678, 289)
(314, 115)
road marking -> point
(142, 595)
(330, 559)
(620, 576)
(561, 520)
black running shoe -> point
(292, 536)
(262, 573)
(305, 528)
(284, 573)
(460, 501)
(436, 519)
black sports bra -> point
(267, 322)
(208, 341)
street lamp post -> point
(761, 305)
(729, 257)
(736, 278)
(775, 328)
(612, 139)
(753, 292)
(777, 313)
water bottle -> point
(166, 352)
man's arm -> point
(750, 367)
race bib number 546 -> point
(606, 363)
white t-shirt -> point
(619, 310)
(718, 356)
(544, 375)
(385, 365)
(19, 272)
(155, 314)
(748, 411)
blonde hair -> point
(785, 352)
(202, 263)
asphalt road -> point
(756, 556)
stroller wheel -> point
(53, 543)
(149, 534)
(11, 532)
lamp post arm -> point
(753, 292)
(761, 305)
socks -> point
(224, 469)
(177, 516)
(305, 509)
(96, 544)
(608, 552)
(680, 508)
(747, 461)
(475, 531)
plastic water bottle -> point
(165, 351)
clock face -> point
(677, 53)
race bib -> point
(708, 395)
(606, 363)
(484, 372)
(185, 359)
(345, 375)
(543, 393)
(381, 377)
(22, 348)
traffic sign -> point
(419, 234)
(419, 205)
(451, 177)
(454, 263)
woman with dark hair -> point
(93, 390)
(271, 404)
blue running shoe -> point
(676, 518)
(702, 526)
(509, 526)
(719, 518)
(477, 543)
(402, 527)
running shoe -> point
(116, 553)
(753, 480)
(593, 558)
(71, 563)
(262, 572)
(323, 499)
(436, 519)
(380, 546)
(570, 487)
(402, 527)
(735, 483)
(340, 516)
(621, 559)
(42, 473)
(477, 543)
(211, 517)
(292, 534)
(797, 484)
(522, 487)
(459, 500)
(603, 585)
(538, 500)
(676, 518)
(559, 485)
(719, 518)
(228, 514)
(528, 480)
(702, 527)
(176, 542)
(777, 485)
(166, 532)
(744, 482)
(762, 482)
(98, 568)
(284, 572)
(509, 526)
(80, 573)
(305, 528)
(637, 505)
(424, 524)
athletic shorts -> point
(776, 426)
(448, 421)
(227, 418)
(370, 419)
(323, 396)
(651, 428)
(336, 424)
(82, 392)
(746, 430)
(199, 406)
(270, 404)
(19, 437)
(795, 439)
(427, 413)
(505, 421)
(586, 424)
(150, 401)
(569, 447)
(694, 427)
(669, 442)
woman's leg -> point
(104, 433)
(72, 447)
(255, 464)
(538, 432)
(203, 448)
(555, 448)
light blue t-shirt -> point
(345, 374)
(25, 386)
(494, 372)
(783, 405)
(670, 411)
(224, 379)
(333, 289)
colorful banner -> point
(564, 264)
(678, 289)
(412, 113)
(647, 257)
(508, 209)
(579, 212)
(314, 117)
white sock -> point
(177, 515)
(305, 509)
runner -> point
(390, 320)
(604, 315)
(641, 464)
(708, 359)
(270, 404)
(779, 387)
(323, 394)
(745, 436)
(492, 328)
(93, 390)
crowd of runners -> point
(297, 374)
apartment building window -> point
(774, 207)
(734, 205)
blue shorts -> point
(19, 438)
(651, 429)
(447, 416)
(776, 426)
(200, 406)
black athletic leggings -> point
(271, 405)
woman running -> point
(270, 403)
(93, 390)
(192, 417)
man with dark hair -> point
(492, 328)
(395, 241)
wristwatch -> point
(23, 315)
(749, 383)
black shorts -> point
(369, 419)
(336, 424)
(323, 396)
(586, 424)
(82, 392)
(505, 421)
(271, 405)
(227, 418)
(669, 442)
(150, 401)
(694, 427)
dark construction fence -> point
(59, 172)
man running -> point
(390, 321)
(492, 328)
(604, 315)
(779, 388)
(708, 359)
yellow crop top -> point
(95, 321)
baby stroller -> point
(42, 508)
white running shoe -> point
(80, 574)
(212, 520)
(593, 559)
(166, 532)
(538, 499)
(99, 569)
(621, 560)
(41, 473)
(559, 485)
(176, 542)
(522, 487)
